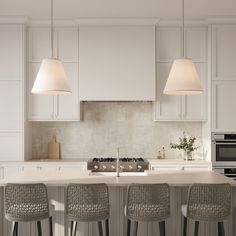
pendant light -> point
(51, 78)
(183, 78)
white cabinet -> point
(223, 78)
(223, 106)
(223, 52)
(53, 108)
(117, 63)
(12, 92)
(180, 108)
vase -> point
(188, 155)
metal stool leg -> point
(128, 227)
(39, 228)
(162, 228)
(50, 226)
(100, 228)
(107, 227)
(14, 228)
(196, 228)
(221, 231)
(135, 232)
(185, 226)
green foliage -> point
(186, 144)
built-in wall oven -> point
(224, 148)
(224, 153)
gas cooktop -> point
(126, 164)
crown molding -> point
(221, 20)
(117, 21)
(13, 20)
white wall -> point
(107, 125)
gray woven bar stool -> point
(147, 202)
(27, 202)
(207, 202)
(87, 203)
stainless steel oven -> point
(224, 149)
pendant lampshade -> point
(183, 78)
(51, 78)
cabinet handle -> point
(57, 105)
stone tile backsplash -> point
(108, 125)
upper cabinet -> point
(117, 63)
(53, 108)
(12, 66)
(223, 78)
(169, 48)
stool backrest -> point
(144, 198)
(209, 202)
(89, 198)
(26, 202)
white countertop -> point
(62, 178)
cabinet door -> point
(39, 44)
(168, 41)
(224, 52)
(223, 106)
(68, 107)
(166, 107)
(41, 107)
(11, 148)
(11, 48)
(194, 107)
(67, 44)
(11, 108)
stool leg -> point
(128, 227)
(14, 228)
(100, 228)
(39, 228)
(162, 228)
(135, 232)
(50, 226)
(221, 231)
(75, 229)
(71, 228)
(107, 227)
(196, 227)
(185, 226)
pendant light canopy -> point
(183, 78)
(51, 78)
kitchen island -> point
(178, 181)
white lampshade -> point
(51, 78)
(183, 79)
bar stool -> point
(87, 203)
(147, 202)
(27, 202)
(207, 202)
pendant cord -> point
(183, 38)
(52, 36)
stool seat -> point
(147, 212)
(88, 212)
(213, 211)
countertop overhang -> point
(173, 178)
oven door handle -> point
(233, 143)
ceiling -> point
(167, 9)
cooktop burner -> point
(111, 159)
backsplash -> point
(108, 125)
